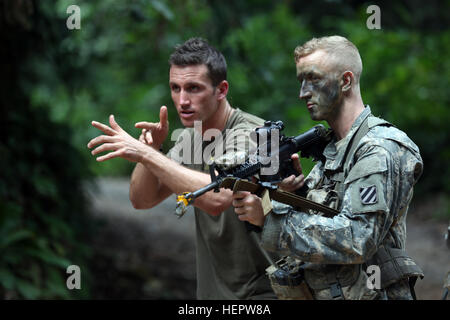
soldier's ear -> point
(222, 88)
(347, 79)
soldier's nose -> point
(305, 92)
(184, 99)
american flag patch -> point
(368, 194)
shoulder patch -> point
(368, 194)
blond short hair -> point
(342, 53)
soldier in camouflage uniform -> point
(368, 176)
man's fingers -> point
(292, 182)
(243, 217)
(100, 139)
(146, 125)
(237, 203)
(288, 180)
(163, 116)
(110, 155)
(239, 198)
(103, 128)
(240, 194)
(163, 121)
(298, 183)
(239, 210)
(104, 147)
(148, 137)
(114, 124)
(300, 179)
(296, 161)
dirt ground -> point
(150, 254)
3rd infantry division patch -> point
(368, 194)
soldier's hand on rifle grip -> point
(248, 207)
(293, 182)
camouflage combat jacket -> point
(375, 189)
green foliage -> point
(399, 80)
(122, 68)
(262, 72)
(43, 225)
(405, 80)
(117, 64)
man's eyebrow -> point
(189, 83)
(193, 83)
(302, 74)
(306, 73)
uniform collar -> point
(335, 158)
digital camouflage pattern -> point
(387, 164)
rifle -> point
(309, 144)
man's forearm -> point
(179, 179)
(145, 189)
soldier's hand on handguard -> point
(118, 141)
(248, 207)
(154, 134)
(293, 182)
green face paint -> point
(320, 90)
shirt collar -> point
(335, 158)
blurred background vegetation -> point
(55, 81)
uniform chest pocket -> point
(325, 196)
(327, 192)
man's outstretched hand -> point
(154, 133)
(118, 141)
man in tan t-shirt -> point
(230, 262)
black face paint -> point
(321, 91)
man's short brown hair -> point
(343, 54)
(197, 51)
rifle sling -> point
(301, 202)
(289, 198)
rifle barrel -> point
(201, 191)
